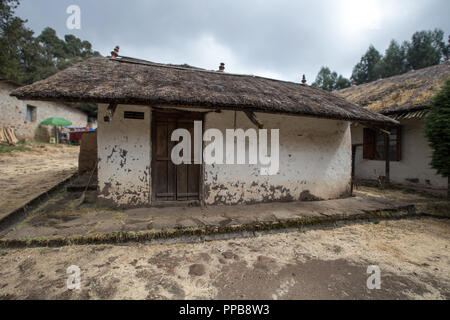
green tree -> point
(437, 130)
(7, 8)
(25, 58)
(328, 80)
(325, 79)
(446, 50)
(427, 48)
(393, 61)
(342, 83)
(60, 54)
(19, 51)
(366, 70)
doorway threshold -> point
(175, 203)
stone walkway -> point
(60, 219)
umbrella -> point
(56, 122)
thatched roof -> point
(407, 92)
(131, 81)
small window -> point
(374, 144)
(134, 115)
(31, 113)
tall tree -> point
(427, 48)
(325, 79)
(446, 50)
(7, 8)
(25, 58)
(366, 70)
(328, 80)
(19, 50)
(342, 83)
(437, 130)
(393, 61)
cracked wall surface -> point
(124, 158)
(315, 162)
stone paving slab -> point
(61, 218)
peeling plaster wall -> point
(414, 163)
(124, 149)
(315, 162)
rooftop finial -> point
(304, 80)
(115, 53)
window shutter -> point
(368, 144)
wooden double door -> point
(173, 182)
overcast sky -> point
(279, 39)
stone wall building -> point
(141, 104)
(24, 116)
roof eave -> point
(128, 101)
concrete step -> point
(80, 183)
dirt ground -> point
(412, 254)
(26, 174)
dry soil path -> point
(27, 174)
(412, 254)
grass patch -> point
(439, 208)
(6, 149)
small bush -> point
(439, 208)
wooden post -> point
(354, 147)
(353, 168)
(388, 156)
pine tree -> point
(437, 130)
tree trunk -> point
(448, 188)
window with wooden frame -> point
(374, 144)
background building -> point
(404, 98)
(25, 116)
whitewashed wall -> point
(315, 162)
(13, 112)
(414, 164)
(124, 158)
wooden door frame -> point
(200, 116)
